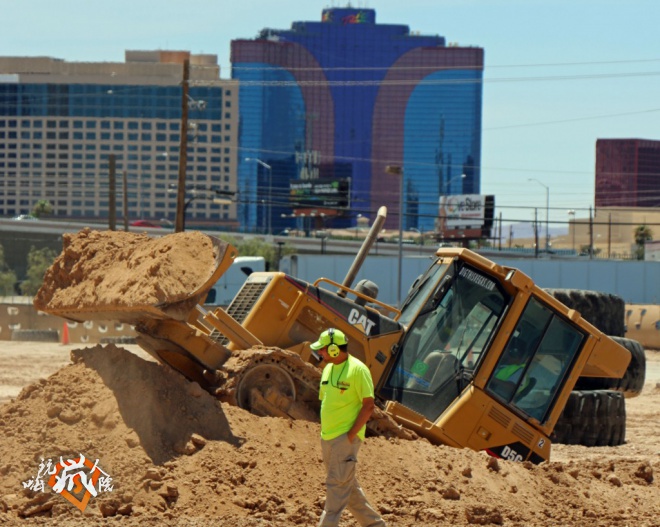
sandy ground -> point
(22, 363)
(177, 457)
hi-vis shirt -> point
(343, 386)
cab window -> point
(535, 362)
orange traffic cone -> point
(65, 333)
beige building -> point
(60, 121)
(613, 230)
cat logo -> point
(355, 318)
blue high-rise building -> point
(327, 106)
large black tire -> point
(118, 340)
(602, 310)
(631, 383)
(592, 418)
(35, 335)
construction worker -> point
(347, 402)
(510, 370)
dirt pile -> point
(117, 269)
(179, 457)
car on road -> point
(146, 223)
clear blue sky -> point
(559, 73)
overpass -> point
(18, 236)
(637, 282)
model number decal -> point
(511, 455)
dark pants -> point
(343, 489)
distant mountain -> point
(526, 230)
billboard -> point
(465, 215)
(327, 193)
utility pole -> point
(180, 223)
(536, 232)
(112, 197)
(591, 235)
(125, 200)
(609, 235)
(547, 213)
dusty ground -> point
(177, 457)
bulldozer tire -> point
(35, 335)
(592, 418)
(631, 383)
(602, 310)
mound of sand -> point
(116, 268)
(179, 457)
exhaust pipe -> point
(371, 238)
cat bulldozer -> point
(476, 356)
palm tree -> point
(642, 235)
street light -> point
(173, 189)
(270, 187)
(201, 193)
(358, 221)
(547, 213)
(398, 171)
(461, 176)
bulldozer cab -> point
(450, 320)
(477, 341)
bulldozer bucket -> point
(132, 277)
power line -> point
(437, 82)
(574, 119)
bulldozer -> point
(476, 356)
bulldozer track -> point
(303, 399)
(274, 400)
